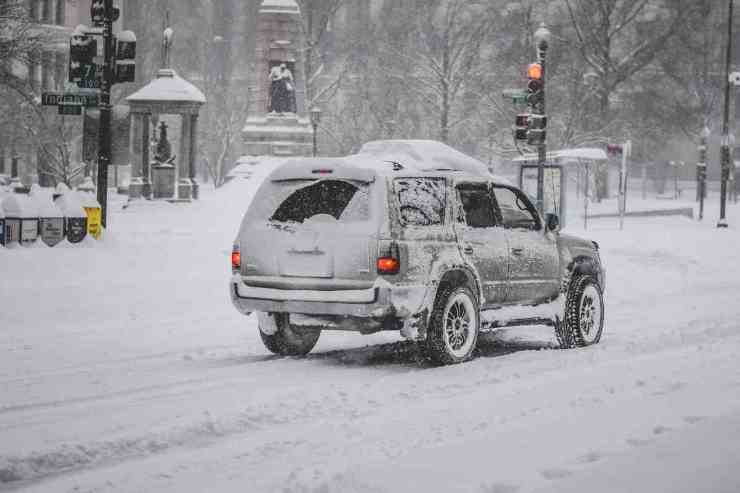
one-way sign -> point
(56, 98)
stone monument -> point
(277, 124)
(167, 94)
(163, 168)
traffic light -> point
(537, 134)
(82, 52)
(125, 55)
(614, 150)
(535, 86)
(97, 12)
(522, 126)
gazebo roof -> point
(168, 87)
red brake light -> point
(236, 259)
(388, 265)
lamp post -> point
(725, 147)
(491, 130)
(542, 42)
(315, 120)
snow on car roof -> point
(387, 158)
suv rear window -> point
(341, 200)
(421, 201)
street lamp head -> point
(315, 116)
(542, 37)
(706, 132)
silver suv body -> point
(410, 236)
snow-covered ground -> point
(124, 368)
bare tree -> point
(20, 45)
(442, 61)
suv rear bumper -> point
(375, 302)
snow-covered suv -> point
(411, 236)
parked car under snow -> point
(410, 236)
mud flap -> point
(415, 327)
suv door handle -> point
(468, 249)
(517, 251)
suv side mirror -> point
(553, 222)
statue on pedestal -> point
(282, 89)
(163, 151)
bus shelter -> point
(564, 169)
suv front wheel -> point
(584, 313)
(454, 326)
(281, 337)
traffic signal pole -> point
(104, 131)
(539, 109)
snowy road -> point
(123, 367)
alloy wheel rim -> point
(590, 312)
(460, 322)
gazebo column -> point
(194, 154)
(135, 144)
(184, 185)
(146, 176)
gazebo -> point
(167, 94)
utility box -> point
(51, 219)
(94, 214)
(2, 224)
(21, 219)
(75, 218)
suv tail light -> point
(236, 258)
(389, 261)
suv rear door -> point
(483, 242)
(318, 234)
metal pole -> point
(626, 148)
(725, 148)
(104, 132)
(315, 144)
(585, 199)
(541, 148)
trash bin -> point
(94, 214)
(75, 219)
(51, 218)
(21, 219)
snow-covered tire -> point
(453, 326)
(289, 340)
(583, 320)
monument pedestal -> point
(163, 181)
(278, 134)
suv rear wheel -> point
(454, 326)
(584, 313)
(280, 337)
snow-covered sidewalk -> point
(123, 367)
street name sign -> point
(70, 108)
(56, 98)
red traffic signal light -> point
(535, 84)
(614, 149)
(534, 71)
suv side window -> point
(516, 210)
(477, 205)
(421, 201)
